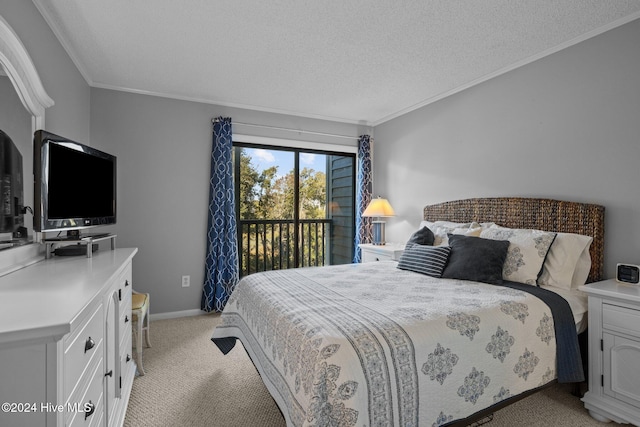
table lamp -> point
(378, 208)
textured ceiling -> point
(360, 61)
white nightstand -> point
(614, 352)
(388, 252)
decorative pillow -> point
(568, 261)
(475, 258)
(527, 252)
(424, 236)
(429, 260)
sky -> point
(263, 159)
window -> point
(295, 207)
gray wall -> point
(566, 127)
(163, 148)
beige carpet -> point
(188, 382)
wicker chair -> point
(140, 317)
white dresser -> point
(65, 341)
(614, 352)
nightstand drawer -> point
(368, 256)
(372, 253)
(621, 319)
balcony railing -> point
(272, 244)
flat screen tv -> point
(74, 184)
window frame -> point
(296, 147)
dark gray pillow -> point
(429, 260)
(477, 259)
(424, 236)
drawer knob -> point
(109, 374)
(91, 408)
(126, 319)
(89, 344)
(128, 357)
(126, 283)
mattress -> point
(368, 344)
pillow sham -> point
(527, 252)
(583, 267)
(568, 262)
(442, 228)
(450, 224)
(429, 260)
(424, 236)
(475, 258)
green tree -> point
(256, 188)
(313, 194)
(265, 195)
(248, 185)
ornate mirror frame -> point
(23, 75)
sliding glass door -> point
(295, 207)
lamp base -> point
(378, 233)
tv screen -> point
(74, 184)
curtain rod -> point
(294, 130)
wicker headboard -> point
(541, 214)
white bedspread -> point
(372, 345)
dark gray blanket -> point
(569, 361)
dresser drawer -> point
(125, 299)
(125, 323)
(124, 284)
(81, 347)
(93, 396)
(621, 319)
(126, 361)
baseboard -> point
(176, 314)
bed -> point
(378, 345)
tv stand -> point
(87, 240)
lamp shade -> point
(378, 207)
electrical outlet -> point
(186, 281)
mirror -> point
(23, 101)
(15, 146)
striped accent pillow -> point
(429, 260)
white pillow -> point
(447, 224)
(583, 267)
(568, 262)
(440, 230)
(527, 251)
(450, 224)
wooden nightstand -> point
(614, 352)
(388, 252)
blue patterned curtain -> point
(363, 193)
(221, 271)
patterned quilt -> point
(371, 345)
